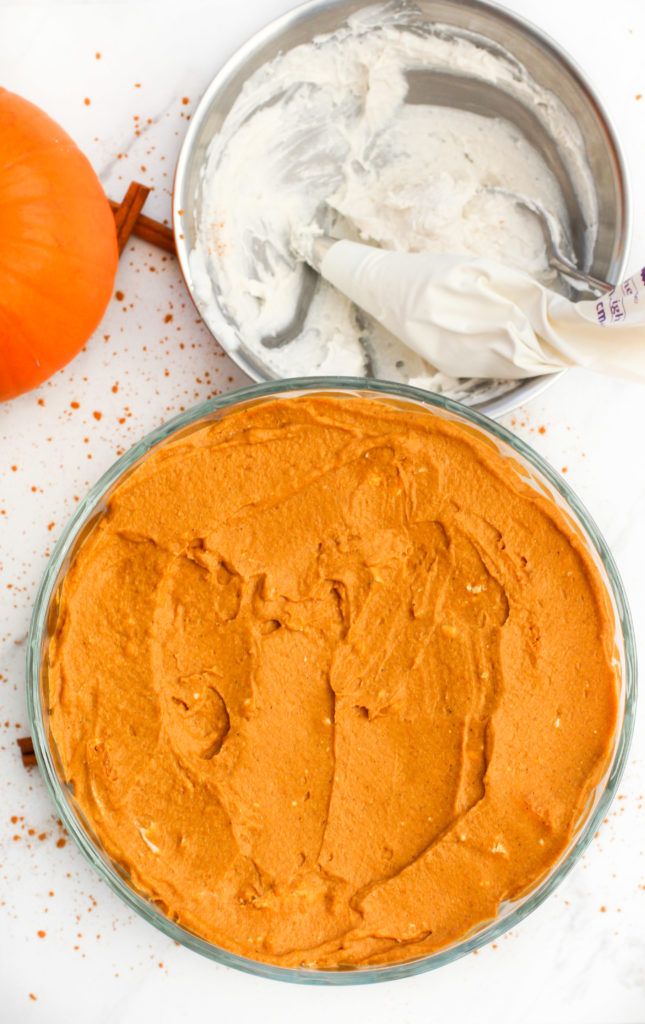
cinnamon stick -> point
(150, 230)
(125, 216)
(27, 751)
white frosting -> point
(321, 139)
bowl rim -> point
(38, 636)
(533, 386)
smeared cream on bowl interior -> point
(321, 138)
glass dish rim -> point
(108, 873)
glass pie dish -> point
(520, 460)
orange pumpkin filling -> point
(332, 682)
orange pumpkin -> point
(58, 250)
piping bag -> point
(475, 317)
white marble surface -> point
(64, 938)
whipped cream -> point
(321, 139)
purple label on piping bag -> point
(622, 302)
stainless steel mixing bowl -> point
(497, 28)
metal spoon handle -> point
(594, 284)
